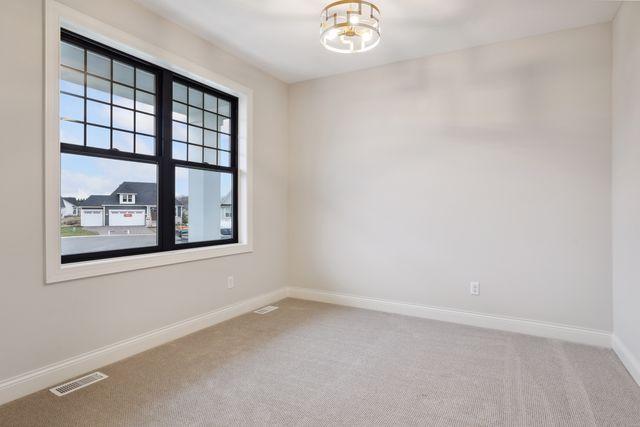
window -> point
(127, 198)
(148, 156)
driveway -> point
(82, 244)
(120, 230)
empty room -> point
(310, 213)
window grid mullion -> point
(135, 115)
(111, 102)
(84, 100)
(108, 127)
(166, 195)
(99, 101)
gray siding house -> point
(131, 204)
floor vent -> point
(77, 384)
(267, 309)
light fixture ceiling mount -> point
(349, 26)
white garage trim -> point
(91, 218)
(127, 217)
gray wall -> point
(410, 180)
(626, 177)
(42, 324)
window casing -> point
(141, 129)
(126, 198)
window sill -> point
(79, 270)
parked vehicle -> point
(182, 232)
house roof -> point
(146, 194)
(71, 200)
(99, 200)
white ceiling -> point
(281, 36)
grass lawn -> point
(75, 230)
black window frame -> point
(166, 165)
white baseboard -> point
(631, 362)
(38, 379)
(503, 323)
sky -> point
(83, 176)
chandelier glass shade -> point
(349, 26)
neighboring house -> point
(131, 204)
(226, 213)
(68, 207)
(180, 210)
(135, 204)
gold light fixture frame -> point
(350, 26)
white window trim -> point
(124, 199)
(59, 16)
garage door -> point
(91, 217)
(126, 217)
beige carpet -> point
(317, 364)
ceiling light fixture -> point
(349, 26)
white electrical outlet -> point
(474, 288)
(230, 282)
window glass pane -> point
(99, 89)
(224, 107)
(210, 102)
(71, 132)
(71, 81)
(209, 120)
(195, 154)
(98, 137)
(180, 92)
(110, 104)
(210, 156)
(224, 158)
(179, 111)
(71, 107)
(205, 199)
(122, 73)
(101, 222)
(195, 135)
(145, 102)
(145, 123)
(122, 119)
(145, 145)
(209, 138)
(98, 113)
(123, 141)
(71, 56)
(195, 97)
(98, 64)
(224, 124)
(179, 151)
(224, 142)
(145, 81)
(122, 95)
(179, 131)
(195, 116)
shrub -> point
(71, 220)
